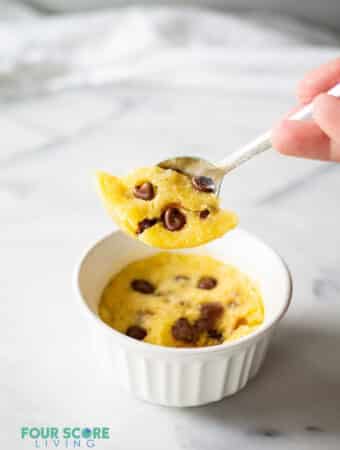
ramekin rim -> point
(186, 351)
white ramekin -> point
(184, 377)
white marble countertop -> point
(50, 147)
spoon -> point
(210, 176)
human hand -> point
(320, 138)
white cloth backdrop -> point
(164, 46)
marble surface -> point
(50, 147)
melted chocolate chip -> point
(203, 184)
(142, 286)
(136, 332)
(173, 219)
(183, 331)
(211, 311)
(214, 334)
(207, 283)
(144, 224)
(144, 191)
(204, 213)
(202, 325)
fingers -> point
(326, 113)
(319, 139)
(304, 139)
(319, 80)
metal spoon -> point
(214, 173)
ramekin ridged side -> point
(185, 381)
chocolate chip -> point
(202, 325)
(173, 219)
(182, 278)
(211, 311)
(144, 191)
(214, 334)
(204, 213)
(144, 224)
(183, 331)
(136, 332)
(207, 283)
(142, 286)
(203, 184)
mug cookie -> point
(164, 208)
(182, 300)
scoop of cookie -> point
(164, 208)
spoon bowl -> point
(196, 168)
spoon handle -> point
(263, 142)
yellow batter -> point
(164, 208)
(182, 300)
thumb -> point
(326, 113)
